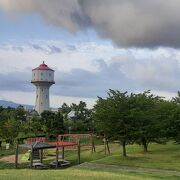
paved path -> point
(129, 169)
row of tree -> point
(18, 123)
(129, 118)
(137, 118)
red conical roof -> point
(43, 66)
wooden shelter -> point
(40, 146)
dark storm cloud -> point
(137, 23)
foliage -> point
(142, 118)
(52, 123)
(113, 117)
(146, 113)
(82, 117)
(10, 130)
(20, 113)
(173, 128)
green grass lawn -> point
(62, 174)
(159, 156)
(164, 157)
(77, 173)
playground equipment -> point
(84, 140)
(35, 139)
(37, 145)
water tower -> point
(42, 78)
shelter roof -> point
(38, 145)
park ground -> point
(161, 162)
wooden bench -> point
(61, 163)
(39, 165)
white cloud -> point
(167, 95)
(18, 60)
(29, 56)
(87, 70)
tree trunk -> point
(124, 148)
(105, 146)
(145, 146)
(107, 143)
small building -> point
(71, 115)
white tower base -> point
(42, 98)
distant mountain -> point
(13, 104)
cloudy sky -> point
(93, 46)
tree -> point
(6, 117)
(147, 122)
(52, 122)
(65, 109)
(20, 114)
(82, 120)
(176, 99)
(10, 130)
(59, 123)
(32, 126)
(173, 128)
(113, 118)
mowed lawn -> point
(78, 174)
(160, 157)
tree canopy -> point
(142, 118)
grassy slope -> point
(160, 156)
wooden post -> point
(63, 152)
(94, 149)
(41, 155)
(92, 144)
(79, 153)
(31, 162)
(57, 155)
(16, 157)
